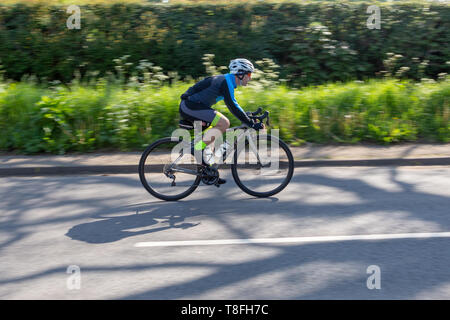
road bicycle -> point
(261, 164)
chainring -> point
(210, 175)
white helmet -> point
(240, 66)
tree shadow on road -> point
(291, 267)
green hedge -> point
(313, 42)
(80, 118)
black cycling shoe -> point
(221, 181)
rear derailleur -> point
(169, 174)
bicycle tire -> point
(144, 182)
(288, 178)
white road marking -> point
(387, 236)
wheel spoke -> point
(168, 174)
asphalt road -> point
(111, 230)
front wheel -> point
(263, 165)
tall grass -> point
(105, 115)
(381, 111)
(168, 2)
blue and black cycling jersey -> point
(210, 90)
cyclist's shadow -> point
(144, 218)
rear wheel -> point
(263, 166)
(166, 172)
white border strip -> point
(294, 239)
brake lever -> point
(265, 116)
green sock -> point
(200, 145)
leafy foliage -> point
(312, 42)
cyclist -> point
(196, 102)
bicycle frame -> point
(245, 134)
